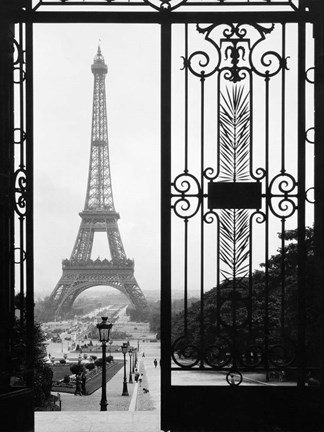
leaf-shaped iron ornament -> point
(234, 134)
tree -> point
(281, 304)
(43, 310)
(43, 373)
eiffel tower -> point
(99, 215)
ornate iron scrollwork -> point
(20, 190)
(184, 353)
(187, 195)
(235, 57)
(282, 203)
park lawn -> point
(95, 382)
(60, 371)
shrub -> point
(76, 368)
(62, 361)
(93, 357)
(109, 359)
(90, 366)
(98, 362)
(66, 379)
(43, 376)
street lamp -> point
(104, 331)
(124, 351)
(134, 359)
(130, 352)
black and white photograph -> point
(162, 216)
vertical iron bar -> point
(268, 198)
(319, 174)
(165, 221)
(219, 94)
(186, 221)
(22, 219)
(283, 170)
(251, 124)
(283, 277)
(6, 195)
(202, 242)
(234, 301)
(30, 197)
(218, 278)
(218, 219)
(250, 301)
(301, 205)
(186, 97)
(283, 100)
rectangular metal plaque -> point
(240, 195)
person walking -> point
(137, 376)
(83, 383)
(140, 379)
(78, 383)
(155, 362)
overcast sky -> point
(63, 55)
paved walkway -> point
(152, 351)
(82, 413)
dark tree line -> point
(274, 294)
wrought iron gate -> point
(241, 99)
(243, 344)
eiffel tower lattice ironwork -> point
(99, 215)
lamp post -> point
(104, 331)
(130, 352)
(134, 359)
(124, 351)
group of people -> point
(80, 384)
(138, 377)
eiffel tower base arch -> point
(78, 277)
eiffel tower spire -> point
(99, 192)
(99, 202)
(98, 215)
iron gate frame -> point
(177, 412)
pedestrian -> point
(137, 376)
(83, 383)
(140, 379)
(78, 383)
(143, 355)
(155, 362)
